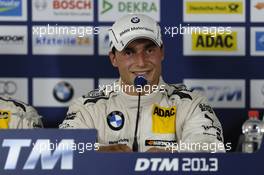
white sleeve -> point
(19, 115)
(78, 116)
(201, 126)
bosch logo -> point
(41, 4)
(63, 92)
(71, 4)
(135, 20)
(8, 88)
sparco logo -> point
(72, 4)
(11, 38)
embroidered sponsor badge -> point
(206, 107)
(115, 120)
(4, 119)
(159, 142)
(163, 120)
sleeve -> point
(18, 115)
(201, 128)
(78, 116)
(31, 119)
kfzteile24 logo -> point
(214, 42)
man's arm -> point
(201, 129)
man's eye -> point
(128, 52)
(150, 50)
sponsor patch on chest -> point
(4, 119)
(163, 119)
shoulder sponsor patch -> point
(4, 119)
(163, 119)
(115, 120)
(95, 94)
(206, 107)
(71, 116)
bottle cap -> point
(253, 114)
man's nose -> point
(141, 59)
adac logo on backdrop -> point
(214, 7)
(130, 6)
(220, 42)
(259, 41)
(62, 41)
(10, 7)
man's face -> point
(140, 57)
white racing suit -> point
(15, 114)
(171, 116)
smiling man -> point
(169, 117)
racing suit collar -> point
(131, 101)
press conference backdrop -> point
(47, 68)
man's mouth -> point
(140, 73)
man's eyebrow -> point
(129, 49)
(150, 45)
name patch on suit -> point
(163, 119)
(4, 119)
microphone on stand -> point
(139, 82)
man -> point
(168, 114)
(15, 114)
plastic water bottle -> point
(252, 131)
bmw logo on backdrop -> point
(63, 92)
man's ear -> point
(112, 57)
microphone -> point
(139, 82)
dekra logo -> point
(130, 7)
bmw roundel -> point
(115, 120)
(135, 19)
(63, 92)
